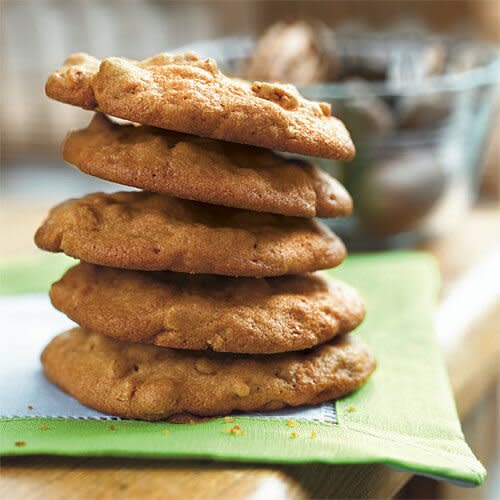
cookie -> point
(241, 315)
(188, 94)
(152, 232)
(206, 170)
(153, 383)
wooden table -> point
(473, 366)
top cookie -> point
(189, 94)
(152, 232)
(218, 172)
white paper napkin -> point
(27, 323)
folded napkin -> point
(404, 416)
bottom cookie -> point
(152, 383)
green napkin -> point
(404, 416)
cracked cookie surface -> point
(242, 315)
(153, 383)
(206, 170)
(152, 232)
(188, 94)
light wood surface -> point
(473, 368)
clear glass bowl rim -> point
(237, 47)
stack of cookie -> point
(198, 295)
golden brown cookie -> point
(152, 383)
(152, 232)
(222, 173)
(243, 315)
(189, 94)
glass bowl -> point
(419, 130)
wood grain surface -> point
(472, 363)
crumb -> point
(314, 435)
(228, 419)
(112, 427)
(293, 435)
(43, 427)
(165, 432)
(30, 407)
(351, 409)
(291, 423)
(236, 430)
(20, 444)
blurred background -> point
(422, 108)
(417, 83)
